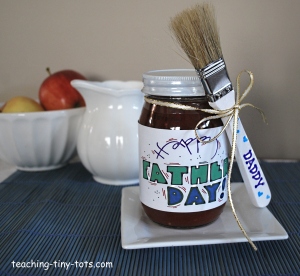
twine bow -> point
(232, 114)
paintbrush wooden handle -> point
(253, 176)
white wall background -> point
(122, 39)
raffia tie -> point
(232, 114)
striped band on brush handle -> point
(215, 80)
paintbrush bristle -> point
(196, 31)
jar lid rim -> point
(172, 74)
(173, 82)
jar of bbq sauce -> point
(183, 182)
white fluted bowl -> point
(37, 141)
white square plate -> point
(138, 231)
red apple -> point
(57, 93)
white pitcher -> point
(108, 137)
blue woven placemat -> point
(59, 222)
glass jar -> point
(182, 181)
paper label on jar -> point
(180, 174)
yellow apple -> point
(21, 104)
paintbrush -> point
(196, 31)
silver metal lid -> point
(173, 82)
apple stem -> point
(48, 70)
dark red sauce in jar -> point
(182, 182)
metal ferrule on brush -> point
(215, 80)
